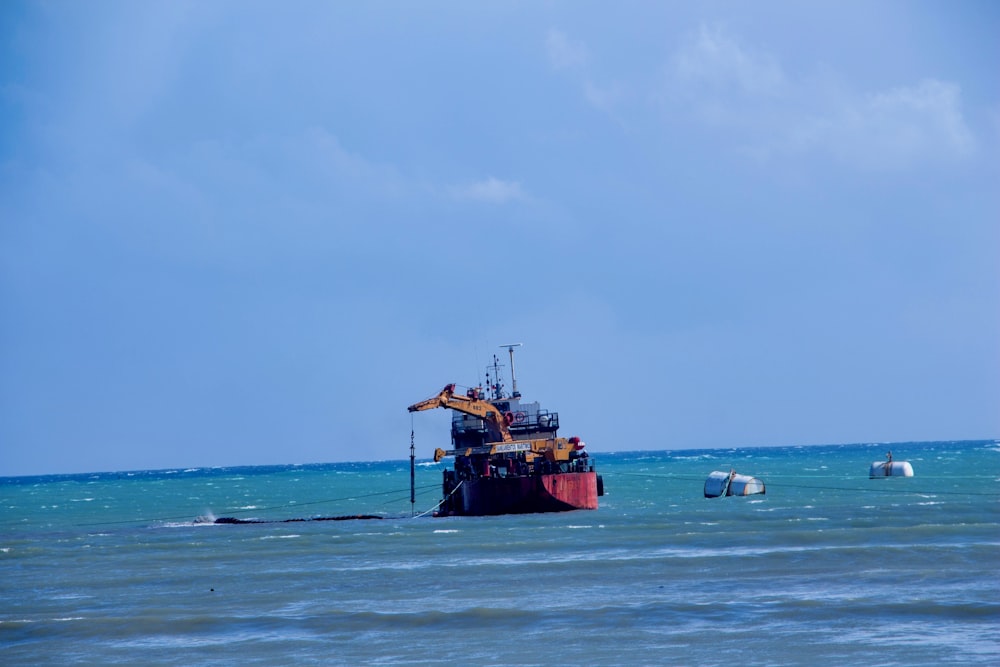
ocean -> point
(827, 567)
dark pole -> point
(413, 497)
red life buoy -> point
(509, 418)
(519, 417)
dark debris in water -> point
(351, 517)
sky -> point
(244, 233)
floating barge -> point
(508, 456)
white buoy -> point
(890, 469)
(730, 484)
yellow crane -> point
(553, 449)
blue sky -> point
(234, 233)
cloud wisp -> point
(490, 190)
(572, 59)
(563, 52)
(735, 88)
(891, 129)
(714, 58)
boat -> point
(731, 484)
(890, 468)
(508, 458)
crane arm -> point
(470, 405)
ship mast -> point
(513, 380)
(495, 386)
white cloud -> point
(491, 190)
(563, 52)
(343, 165)
(603, 98)
(735, 89)
(894, 128)
(714, 58)
(571, 57)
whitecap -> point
(188, 524)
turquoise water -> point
(828, 566)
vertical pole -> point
(513, 378)
(413, 496)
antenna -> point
(496, 386)
(513, 380)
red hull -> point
(560, 492)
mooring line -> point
(442, 500)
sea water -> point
(827, 567)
